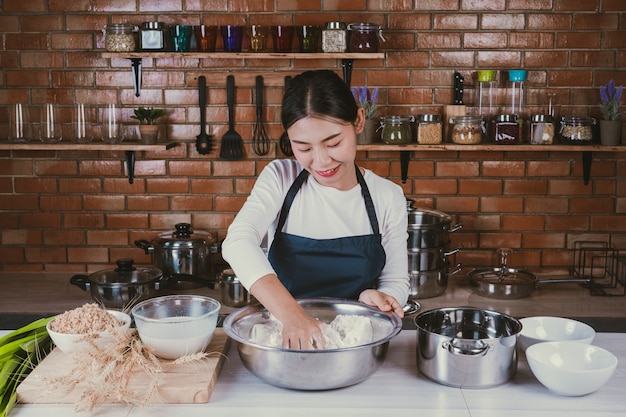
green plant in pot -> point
(611, 126)
(148, 128)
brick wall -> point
(76, 211)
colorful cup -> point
(486, 75)
(232, 37)
(205, 37)
(282, 38)
(257, 38)
(308, 38)
(180, 37)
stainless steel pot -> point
(429, 259)
(429, 284)
(122, 287)
(234, 294)
(467, 347)
(429, 228)
(182, 253)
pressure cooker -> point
(182, 253)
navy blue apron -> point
(341, 267)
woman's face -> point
(327, 149)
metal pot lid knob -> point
(183, 230)
(125, 265)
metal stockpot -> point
(467, 347)
(123, 286)
(429, 228)
(429, 259)
(429, 284)
(234, 294)
(182, 253)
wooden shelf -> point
(492, 148)
(244, 55)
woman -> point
(334, 229)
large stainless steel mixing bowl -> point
(313, 369)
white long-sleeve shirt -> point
(318, 212)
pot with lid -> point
(234, 294)
(182, 253)
(121, 287)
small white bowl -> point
(71, 343)
(571, 368)
(553, 329)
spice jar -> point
(467, 130)
(429, 129)
(119, 37)
(396, 129)
(334, 37)
(576, 130)
(506, 129)
(364, 37)
(541, 129)
(152, 36)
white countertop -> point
(396, 389)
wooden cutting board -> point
(177, 384)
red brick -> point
(567, 222)
(514, 222)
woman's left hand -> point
(381, 301)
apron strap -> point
(295, 187)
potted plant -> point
(611, 126)
(148, 128)
(367, 100)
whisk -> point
(260, 139)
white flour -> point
(343, 332)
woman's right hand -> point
(302, 332)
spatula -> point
(231, 148)
(203, 141)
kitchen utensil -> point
(571, 368)
(88, 342)
(458, 108)
(283, 142)
(429, 259)
(234, 294)
(554, 329)
(467, 347)
(458, 88)
(176, 325)
(203, 141)
(313, 369)
(231, 148)
(260, 140)
(182, 253)
(429, 284)
(509, 283)
(429, 228)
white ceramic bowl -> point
(72, 343)
(176, 325)
(571, 368)
(553, 329)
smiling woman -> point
(334, 229)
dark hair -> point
(320, 93)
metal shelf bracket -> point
(136, 64)
(130, 166)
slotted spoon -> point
(231, 148)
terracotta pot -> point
(610, 132)
(149, 134)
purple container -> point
(232, 37)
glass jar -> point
(429, 129)
(506, 129)
(396, 129)
(576, 130)
(364, 37)
(152, 36)
(467, 130)
(335, 37)
(541, 129)
(119, 37)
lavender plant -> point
(366, 99)
(611, 101)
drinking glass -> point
(82, 131)
(111, 129)
(232, 37)
(180, 37)
(19, 123)
(205, 37)
(257, 38)
(50, 125)
(282, 37)
(308, 37)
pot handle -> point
(190, 278)
(452, 251)
(457, 268)
(480, 349)
(145, 245)
(81, 281)
(456, 227)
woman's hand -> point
(302, 332)
(381, 301)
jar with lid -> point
(119, 37)
(505, 129)
(152, 36)
(429, 131)
(541, 129)
(335, 37)
(467, 130)
(364, 37)
(396, 129)
(577, 130)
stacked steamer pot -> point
(428, 248)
